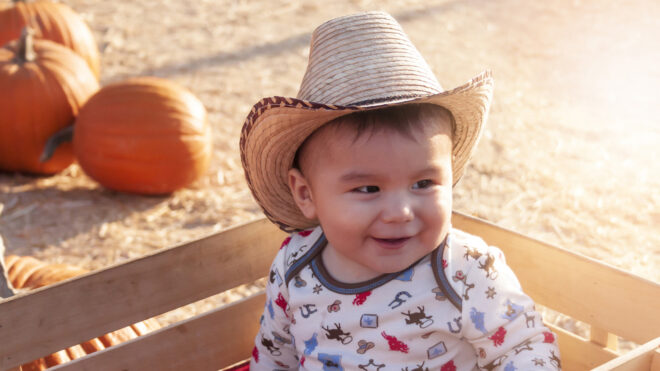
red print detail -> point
(255, 354)
(394, 343)
(549, 337)
(498, 336)
(361, 298)
(444, 263)
(285, 242)
(281, 302)
(449, 366)
(306, 233)
(302, 361)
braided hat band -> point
(357, 62)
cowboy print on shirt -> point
(459, 308)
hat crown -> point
(364, 59)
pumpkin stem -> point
(26, 46)
(62, 136)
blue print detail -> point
(436, 350)
(399, 300)
(270, 309)
(512, 310)
(275, 277)
(311, 344)
(369, 321)
(331, 362)
(478, 320)
(406, 275)
(510, 367)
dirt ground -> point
(570, 154)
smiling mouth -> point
(392, 243)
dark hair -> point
(403, 119)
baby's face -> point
(384, 201)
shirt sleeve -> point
(274, 346)
(500, 320)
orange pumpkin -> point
(42, 87)
(26, 272)
(51, 21)
(144, 135)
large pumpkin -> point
(144, 135)
(51, 21)
(26, 272)
(42, 87)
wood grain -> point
(605, 297)
(85, 307)
(208, 341)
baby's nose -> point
(397, 209)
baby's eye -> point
(423, 184)
(367, 189)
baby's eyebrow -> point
(355, 176)
(431, 170)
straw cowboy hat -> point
(357, 62)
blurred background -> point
(570, 155)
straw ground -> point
(570, 154)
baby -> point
(360, 169)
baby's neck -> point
(344, 270)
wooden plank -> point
(53, 318)
(208, 341)
(638, 359)
(578, 354)
(174, 348)
(237, 364)
(655, 363)
(603, 338)
(583, 288)
(85, 307)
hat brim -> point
(277, 126)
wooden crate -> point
(613, 302)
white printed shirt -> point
(458, 308)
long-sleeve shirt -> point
(458, 308)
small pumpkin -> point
(51, 21)
(25, 272)
(144, 135)
(43, 85)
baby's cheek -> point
(445, 199)
(343, 217)
(436, 212)
(439, 202)
(351, 212)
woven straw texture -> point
(356, 62)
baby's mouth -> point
(392, 242)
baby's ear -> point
(302, 193)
